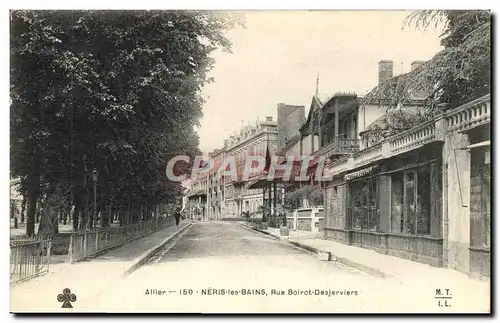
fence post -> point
(48, 254)
(85, 244)
(96, 240)
(106, 237)
(71, 246)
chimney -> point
(385, 71)
(269, 118)
(226, 143)
(416, 64)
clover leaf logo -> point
(66, 298)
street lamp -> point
(95, 176)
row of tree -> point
(106, 94)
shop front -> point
(480, 202)
(392, 206)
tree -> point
(99, 90)
(457, 74)
(292, 200)
(316, 196)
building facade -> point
(423, 194)
(216, 206)
(257, 140)
(196, 207)
(217, 197)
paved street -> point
(224, 267)
(229, 259)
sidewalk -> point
(405, 272)
(86, 279)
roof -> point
(315, 105)
(289, 144)
(340, 96)
(381, 122)
(401, 89)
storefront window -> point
(364, 207)
(410, 207)
(424, 201)
(374, 216)
(480, 199)
(356, 206)
(397, 206)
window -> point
(409, 210)
(410, 201)
(424, 201)
(480, 196)
(397, 204)
(364, 208)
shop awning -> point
(359, 173)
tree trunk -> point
(90, 215)
(48, 220)
(128, 213)
(106, 216)
(87, 211)
(33, 190)
(79, 214)
(122, 216)
(23, 208)
(56, 222)
(76, 217)
(77, 210)
(109, 218)
(38, 211)
(66, 214)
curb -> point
(260, 231)
(110, 248)
(142, 259)
(370, 270)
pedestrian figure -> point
(177, 216)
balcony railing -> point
(463, 118)
(339, 146)
(368, 155)
(413, 138)
(470, 115)
(339, 166)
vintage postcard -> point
(250, 161)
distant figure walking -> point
(177, 216)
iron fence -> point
(29, 258)
(88, 243)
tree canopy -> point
(114, 91)
(457, 74)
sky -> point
(277, 57)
